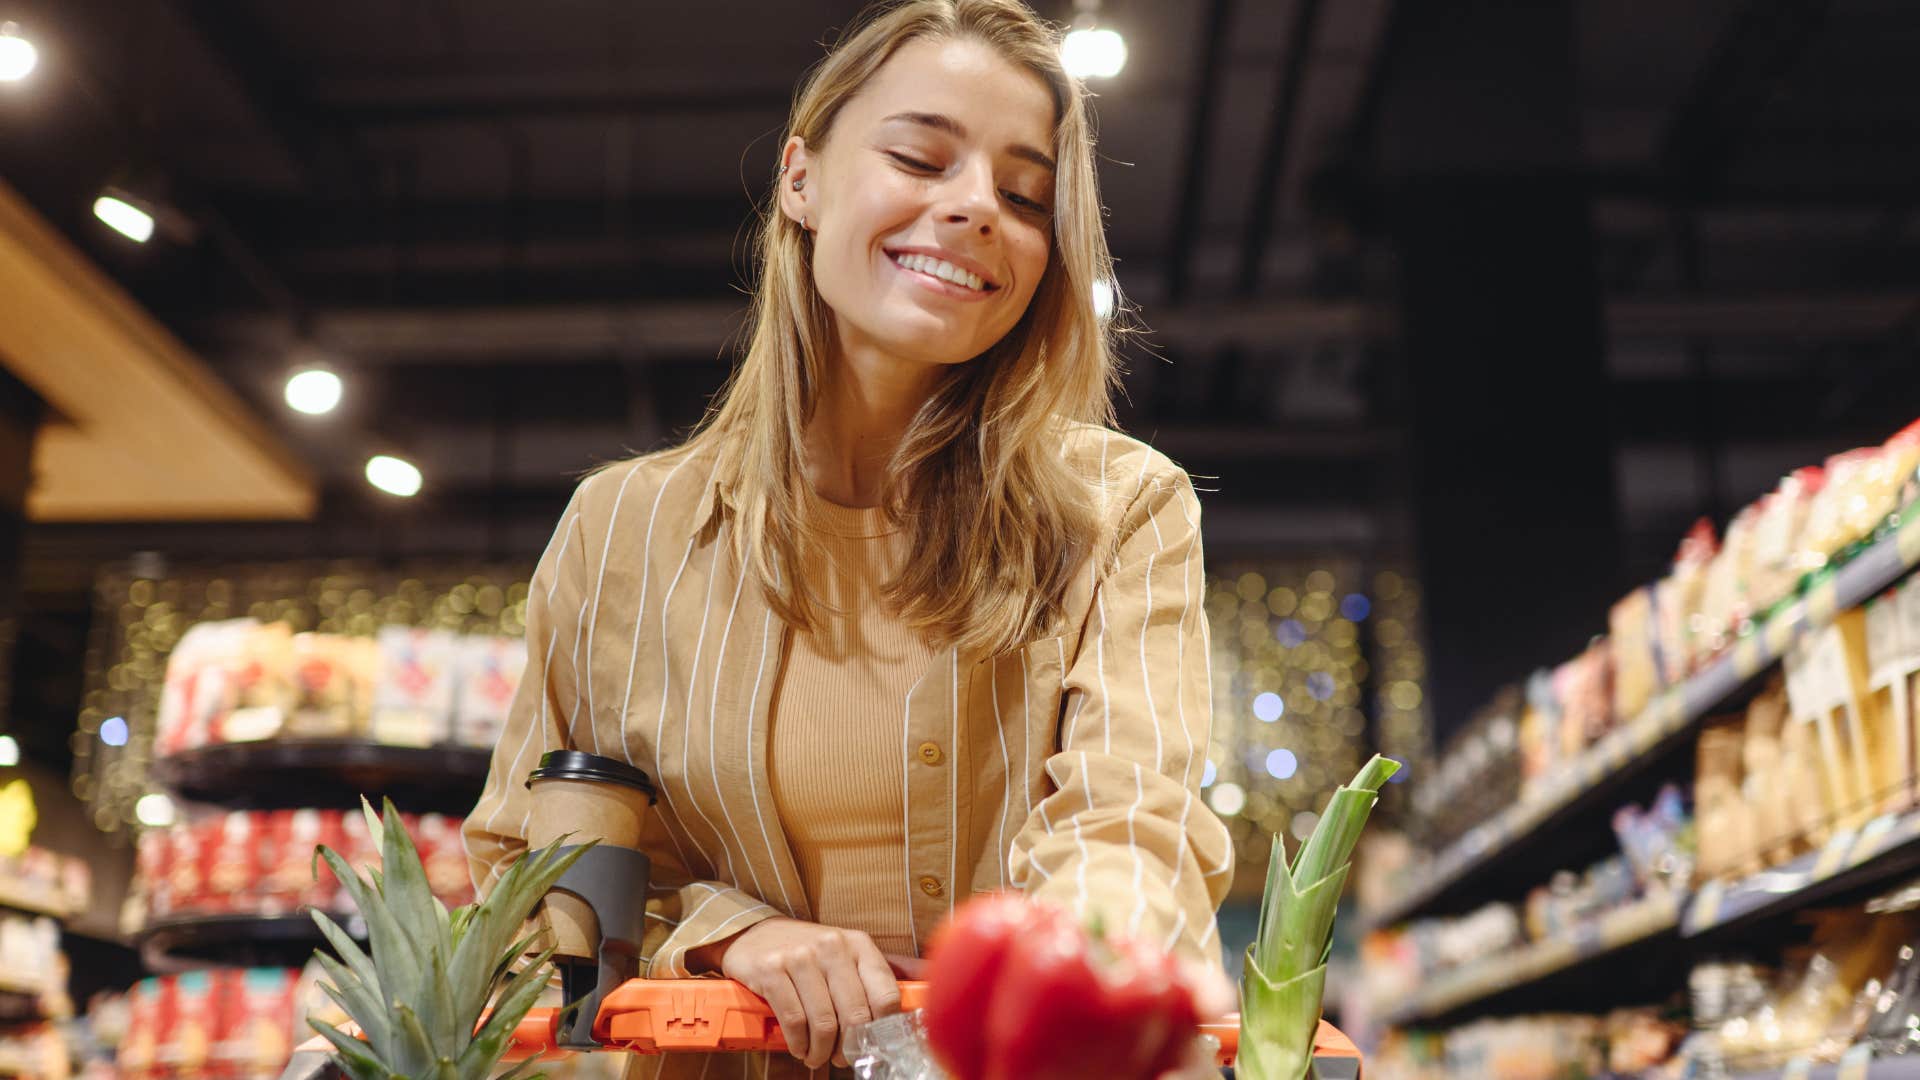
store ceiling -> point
(139, 428)
(519, 230)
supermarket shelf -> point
(27, 983)
(34, 899)
(179, 944)
(327, 773)
(1883, 849)
(1515, 969)
(1672, 716)
(1851, 1068)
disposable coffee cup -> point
(584, 797)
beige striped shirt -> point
(1069, 767)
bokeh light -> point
(1268, 708)
(1282, 764)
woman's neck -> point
(863, 411)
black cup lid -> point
(580, 765)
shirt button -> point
(931, 886)
(930, 753)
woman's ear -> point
(796, 202)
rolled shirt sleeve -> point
(1125, 837)
(683, 912)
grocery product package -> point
(489, 675)
(1677, 602)
(1726, 828)
(1777, 569)
(331, 679)
(1633, 640)
(1866, 762)
(413, 702)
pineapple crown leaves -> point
(419, 991)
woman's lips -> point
(939, 285)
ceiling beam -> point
(1273, 152)
(1210, 66)
(703, 329)
(232, 33)
(1756, 53)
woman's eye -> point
(1023, 202)
(912, 163)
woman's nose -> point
(970, 200)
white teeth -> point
(941, 269)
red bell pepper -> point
(1018, 992)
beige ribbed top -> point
(834, 762)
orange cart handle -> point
(660, 1016)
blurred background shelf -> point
(327, 773)
(1618, 767)
(241, 940)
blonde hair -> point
(997, 520)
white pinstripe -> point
(613, 519)
(1146, 677)
(906, 804)
(713, 761)
(753, 780)
(1139, 860)
(953, 795)
(686, 719)
(660, 724)
(1006, 769)
(633, 654)
(515, 769)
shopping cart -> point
(707, 1016)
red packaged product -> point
(153, 861)
(232, 874)
(256, 1022)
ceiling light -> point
(1103, 300)
(18, 57)
(124, 217)
(393, 475)
(1093, 53)
(154, 811)
(9, 752)
(315, 391)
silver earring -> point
(805, 225)
(800, 183)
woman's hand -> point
(819, 980)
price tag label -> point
(1748, 657)
(1823, 603)
(1833, 856)
(1907, 540)
(1797, 1069)
(1780, 630)
(1854, 1063)
(1872, 840)
(1645, 731)
(1706, 906)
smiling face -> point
(930, 203)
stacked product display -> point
(1625, 1042)
(1773, 568)
(236, 1023)
(1775, 669)
(38, 889)
(241, 680)
(261, 862)
(1637, 890)
(268, 739)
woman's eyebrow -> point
(943, 122)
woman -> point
(905, 620)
